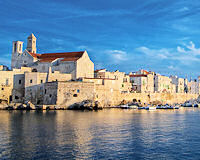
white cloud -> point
(187, 54)
(159, 53)
(184, 9)
(117, 55)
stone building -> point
(162, 84)
(193, 87)
(118, 80)
(76, 63)
(34, 83)
(12, 85)
(179, 83)
(142, 81)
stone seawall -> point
(170, 98)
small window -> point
(75, 95)
(2, 89)
(45, 91)
(78, 91)
(50, 95)
(16, 97)
(20, 81)
(41, 81)
(31, 81)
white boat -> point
(152, 107)
(133, 107)
(125, 106)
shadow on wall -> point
(45, 93)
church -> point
(78, 64)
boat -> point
(176, 107)
(133, 106)
(187, 105)
(141, 108)
(165, 107)
(152, 107)
(125, 106)
(196, 105)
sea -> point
(109, 134)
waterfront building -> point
(76, 63)
(118, 80)
(12, 84)
(179, 83)
(193, 87)
(162, 84)
(142, 81)
(34, 82)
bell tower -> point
(17, 47)
(17, 51)
(31, 44)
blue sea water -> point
(107, 134)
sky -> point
(127, 35)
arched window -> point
(34, 70)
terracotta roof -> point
(138, 75)
(49, 57)
(34, 54)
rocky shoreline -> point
(84, 105)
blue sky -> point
(157, 35)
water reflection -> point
(106, 134)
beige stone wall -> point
(73, 92)
(34, 81)
(12, 84)
(115, 98)
(84, 67)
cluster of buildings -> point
(69, 77)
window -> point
(16, 97)
(78, 90)
(20, 81)
(45, 91)
(75, 95)
(50, 95)
(7, 81)
(41, 81)
(20, 47)
(2, 89)
(15, 47)
(31, 81)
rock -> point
(84, 105)
(20, 106)
(3, 105)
